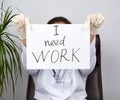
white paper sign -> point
(62, 46)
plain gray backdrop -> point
(40, 11)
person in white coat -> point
(60, 84)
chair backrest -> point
(94, 81)
(30, 89)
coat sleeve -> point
(86, 72)
(24, 62)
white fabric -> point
(73, 87)
(94, 21)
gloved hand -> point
(21, 22)
(94, 21)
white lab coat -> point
(72, 87)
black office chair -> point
(94, 81)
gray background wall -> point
(40, 11)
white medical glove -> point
(94, 21)
(21, 22)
